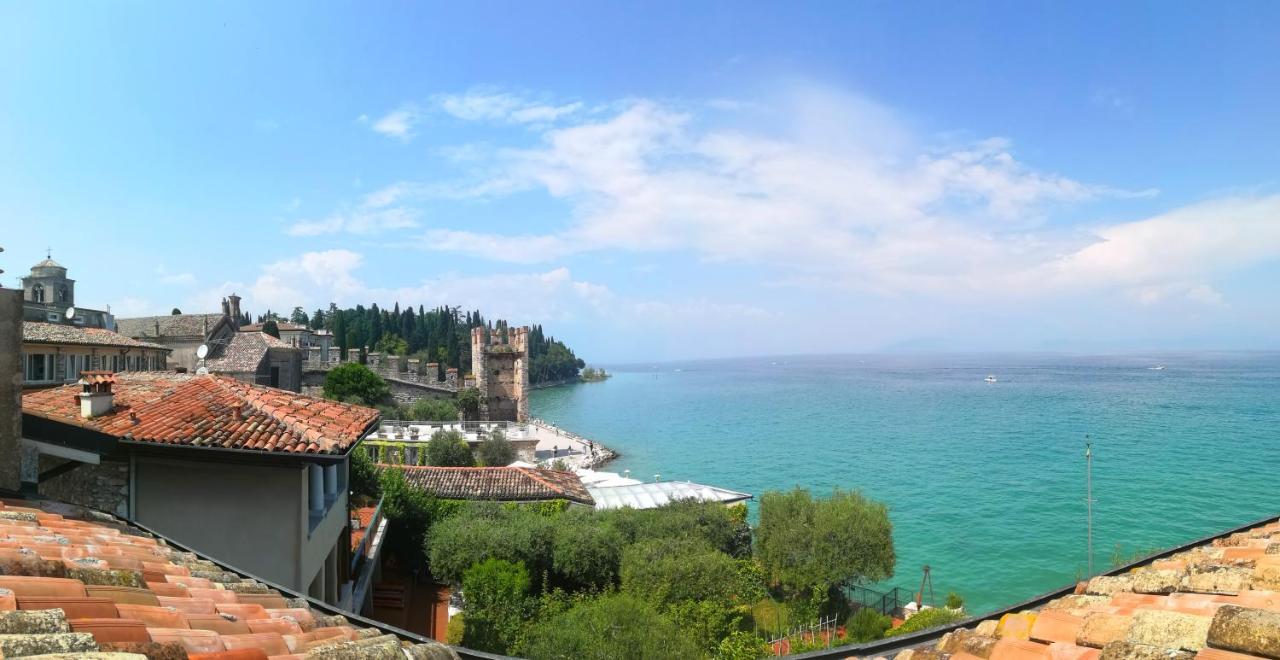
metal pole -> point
(1088, 496)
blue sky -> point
(660, 179)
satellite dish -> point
(202, 351)
(70, 313)
(202, 371)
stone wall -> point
(10, 388)
(404, 392)
(499, 363)
(104, 487)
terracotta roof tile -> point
(209, 411)
(56, 333)
(1219, 600)
(51, 613)
(507, 484)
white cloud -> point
(167, 277)
(492, 105)
(399, 123)
(377, 212)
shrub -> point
(674, 570)
(806, 543)
(351, 380)
(485, 530)
(741, 645)
(925, 619)
(469, 403)
(867, 625)
(364, 477)
(433, 410)
(449, 449)
(617, 626)
(585, 552)
(954, 601)
(455, 631)
(412, 514)
(496, 450)
(497, 604)
(772, 616)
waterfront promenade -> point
(550, 442)
(575, 450)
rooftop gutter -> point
(891, 646)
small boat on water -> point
(1158, 367)
(990, 378)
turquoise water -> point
(985, 482)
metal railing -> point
(889, 603)
(359, 553)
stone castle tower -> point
(500, 364)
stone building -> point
(184, 333)
(311, 342)
(257, 357)
(500, 366)
(56, 353)
(47, 294)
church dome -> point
(48, 268)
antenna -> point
(203, 351)
(1088, 496)
(70, 313)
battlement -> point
(499, 365)
(392, 367)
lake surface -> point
(985, 482)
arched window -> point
(63, 294)
(37, 293)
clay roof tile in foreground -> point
(209, 411)
(1218, 600)
(506, 484)
(81, 583)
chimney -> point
(10, 389)
(96, 398)
(233, 302)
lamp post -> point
(1088, 496)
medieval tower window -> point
(37, 293)
(63, 294)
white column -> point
(317, 487)
(331, 480)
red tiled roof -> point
(506, 484)
(78, 582)
(211, 411)
(1220, 600)
(39, 332)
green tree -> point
(496, 450)
(412, 514)
(586, 552)
(611, 627)
(497, 604)
(175, 311)
(351, 380)
(809, 545)
(272, 328)
(391, 344)
(364, 476)
(482, 530)
(676, 569)
(741, 645)
(469, 403)
(433, 410)
(449, 449)
(299, 317)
